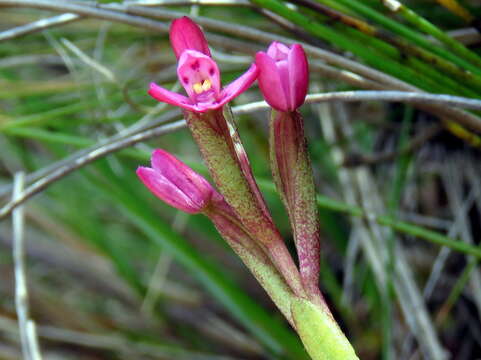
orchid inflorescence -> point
(237, 208)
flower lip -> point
(205, 100)
(175, 183)
(200, 76)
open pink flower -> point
(177, 184)
(283, 76)
(198, 72)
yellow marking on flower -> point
(197, 88)
(206, 85)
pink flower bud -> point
(177, 184)
(198, 72)
(283, 76)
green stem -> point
(458, 288)
(229, 167)
(202, 267)
(253, 257)
(319, 332)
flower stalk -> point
(286, 69)
(256, 260)
(283, 80)
(292, 173)
(229, 167)
(319, 332)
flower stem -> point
(319, 332)
(229, 167)
(293, 177)
(251, 254)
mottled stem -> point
(229, 167)
(294, 180)
(251, 254)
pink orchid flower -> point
(198, 72)
(283, 76)
(177, 184)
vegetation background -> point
(113, 273)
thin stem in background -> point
(464, 118)
(356, 189)
(348, 96)
(59, 170)
(393, 205)
(38, 25)
(383, 95)
(111, 342)
(28, 336)
(390, 82)
(87, 158)
(56, 171)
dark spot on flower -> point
(211, 71)
(185, 80)
(195, 65)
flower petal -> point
(239, 85)
(298, 69)
(193, 185)
(187, 35)
(165, 190)
(278, 51)
(170, 97)
(270, 82)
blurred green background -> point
(113, 273)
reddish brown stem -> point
(292, 172)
